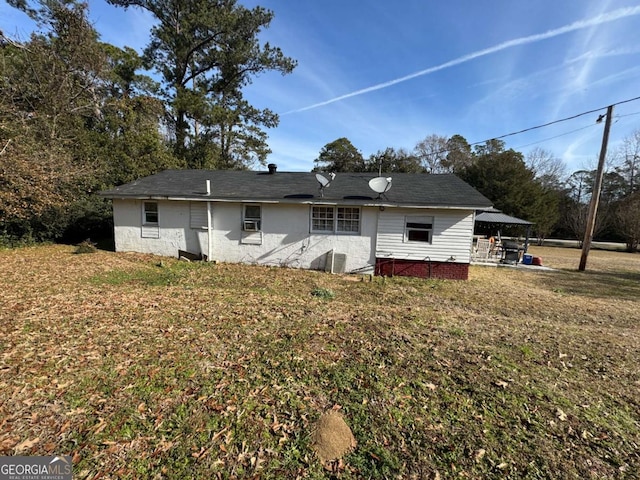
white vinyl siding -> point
(450, 237)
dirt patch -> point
(332, 438)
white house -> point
(422, 225)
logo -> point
(36, 468)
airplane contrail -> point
(579, 25)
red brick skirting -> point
(389, 267)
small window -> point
(198, 215)
(335, 219)
(252, 218)
(418, 229)
(150, 213)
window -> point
(252, 218)
(322, 219)
(198, 215)
(348, 220)
(150, 213)
(418, 229)
(335, 219)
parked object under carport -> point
(511, 252)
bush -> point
(86, 247)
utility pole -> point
(595, 195)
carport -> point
(497, 220)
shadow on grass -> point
(621, 285)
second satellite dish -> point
(380, 185)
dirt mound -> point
(332, 438)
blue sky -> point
(387, 74)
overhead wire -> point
(572, 117)
(553, 122)
(556, 136)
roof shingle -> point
(297, 187)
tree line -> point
(535, 187)
(78, 115)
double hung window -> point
(252, 218)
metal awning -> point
(500, 218)
(496, 217)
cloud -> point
(579, 25)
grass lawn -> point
(142, 367)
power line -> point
(628, 115)
(556, 136)
(554, 122)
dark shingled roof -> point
(299, 187)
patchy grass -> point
(145, 367)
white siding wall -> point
(452, 235)
(285, 237)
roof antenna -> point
(324, 182)
(380, 185)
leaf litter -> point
(225, 371)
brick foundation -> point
(389, 267)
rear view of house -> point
(399, 224)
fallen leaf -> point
(430, 386)
(480, 453)
(502, 383)
(502, 466)
(26, 445)
(561, 415)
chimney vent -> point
(272, 168)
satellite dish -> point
(380, 185)
(324, 182)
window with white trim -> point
(252, 218)
(325, 219)
(418, 229)
(150, 213)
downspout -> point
(209, 229)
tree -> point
(490, 147)
(575, 219)
(207, 51)
(579, 185)
(392, 160)
(629, 167)
(51, 89)
(432, 151)
(339, 156)
(628, 221)
(75, 117)
(459, 154)
(547, 168)
(503, 177)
